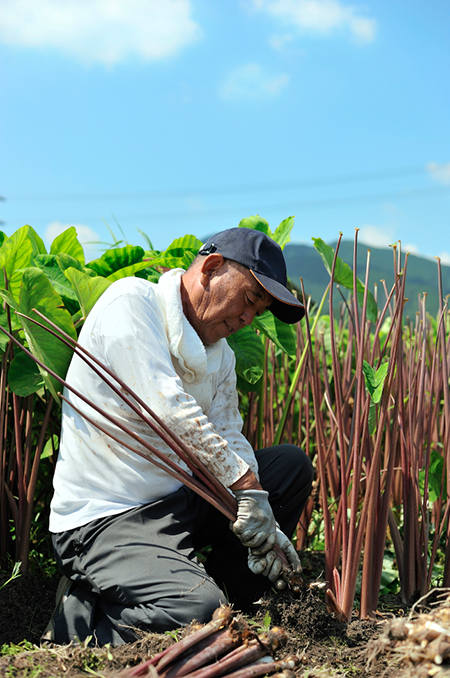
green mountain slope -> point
(421, 275)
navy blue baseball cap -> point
(264, 258)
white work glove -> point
(255, 524)
(270, 564)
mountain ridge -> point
(421, 273)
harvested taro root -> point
(420, 642)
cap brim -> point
(285, 306)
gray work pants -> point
(139, 568)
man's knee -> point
(198, 605)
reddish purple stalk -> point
(167, 435)
(222, 617)
(209, 650)
(209, 487)
(254, 670)
(266, 644)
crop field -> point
(364, 390)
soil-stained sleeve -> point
(224, 413)
(130, 336)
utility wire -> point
(286, 207)
(306, 204)
(241, 188)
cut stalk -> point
(294, 383)
(222, 617)
(252, 670)
(183, 451)
(207, 486)
(266, 644)
(210, 650)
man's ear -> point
(210, 265)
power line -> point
(241, 188)
(287, 207)
(311, 204)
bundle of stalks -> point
(223, 647)
(202, 481)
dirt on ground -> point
(400, 642)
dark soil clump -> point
(326, 646)
(306, 615)
(26, 605)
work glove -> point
(270, 564)
(255, 524)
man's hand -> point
(255, 524)
(270, 565)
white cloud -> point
(445, 258)
(280, 42)
(376, 236)
(87, 237)
(251, 82)
(440, 173)
(105, 31)
(412, 249)
(320, 16)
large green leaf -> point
(67, 242)
(50, 447)
(282, 234)
(256, 222)
(150, 274)
(436, 488)
(174, 258)
(115, 259)
(187, 242)
(24, 377)
(87, 289)
(375, 378)
(180, 253)
(49, 264)
(36, 241)
(128, 271)
(37, 292)
(16, 254)
(249, 352)
(4, 323)
(65, 261)
(343, 275)
(280, 333)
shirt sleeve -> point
(225, 414)
(130, 335)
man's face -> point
(228, 298)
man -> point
(126, 533)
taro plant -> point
(369, 404)
(379, 408)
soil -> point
(391, 645)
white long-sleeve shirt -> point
(138, 330)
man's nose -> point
(247, 316)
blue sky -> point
(168, 117)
